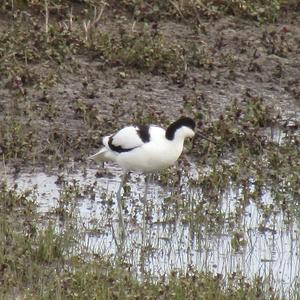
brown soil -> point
(237, 57)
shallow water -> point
(160, 237)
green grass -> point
(154, 10)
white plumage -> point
(146, 148)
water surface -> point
(167, 233)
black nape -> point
(183, 121)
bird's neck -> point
(177, 143)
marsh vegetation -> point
(223, 223)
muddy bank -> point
(62, 91)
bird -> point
(146, 148)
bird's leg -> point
(123, 181)
(142, 262)
(147, 178)
(120, 206)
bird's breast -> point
(150, 157)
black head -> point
(183, 121)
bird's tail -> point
(99, 156)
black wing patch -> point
(140, 136)
(143, 132)
(118, 149)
